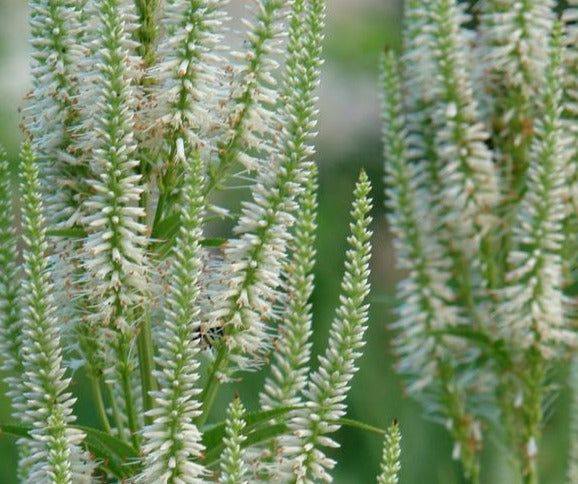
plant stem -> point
(125, 372)
(116, 412)
(147, 32)
(98, 400)
(461, 430)
(212, 386)
(146, 365)
(533, 410)
(166, 185)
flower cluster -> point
(139, 117)
(480, 175)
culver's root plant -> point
(480, 132)
(139, 116)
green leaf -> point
(347, 422)
(167, 227)
(115, 456)
(165, 231)
(214, 242)
(16, 430)
(258, 429)
(253, 419)
(73, 233)
(265, 434)
(496, 349)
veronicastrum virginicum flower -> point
(139, 116)
(481, 183)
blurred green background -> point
(349, 138)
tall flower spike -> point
(114, 257)
(390, 465)
(293, 347)
(52, 114)
(188, 67)
(469, 179)
(428, 359)
(417, 249)
(570, 18)
(55, 454)
(116, 238)
(253, 259)
(291, 357)
(417, 55)
(10, 320)
(514, 51)
(252, 117)
(172, 442)
(233, 468)
(327, 388)
(515, 38)
(10, 326)
(418, 70)
(59, 46)
(52, 118)
(188, 92)
(532, 305)
(469, 190)
(263, 227)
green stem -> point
(475, 477)
(99, 402)
(533, 410)
(492, 276)
(460, 430)
(532, 476)
(125, 373)
(166, 185)
(212, 385)
(146, 365)
(116, 412)
(147, 32)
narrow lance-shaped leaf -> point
(114, 456)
